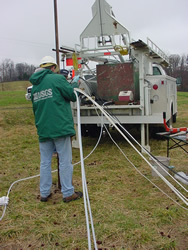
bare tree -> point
(20, 68)
(174, 63)
(24, 71)
(2, 71)
(183, 72)
(179, 69)
(11, 72)
(7, 69)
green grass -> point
(128, 211)
(13, 98)
(13, 94)
(14, 86)
(182, 117)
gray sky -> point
(27, 30)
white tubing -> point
(31, 177)
(152, 158)
(84, 184)
(92, 149)
(141, 172)
(23, 179)
(149, 154)
(113, 123)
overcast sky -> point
(27, 30)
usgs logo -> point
(42, 95)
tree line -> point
(178, 68)
(15, 72)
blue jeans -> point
(64, 150)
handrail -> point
(157, 50)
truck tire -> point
(171, 120)
(174, 118)
(93, 130)
(84, 130)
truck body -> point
(129, 73)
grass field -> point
(128, 211)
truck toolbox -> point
(114, 78)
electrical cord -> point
(5, 199)
(134, 165)
(177, 192)
(140, 171)
(153, 157)
(84, 184)
(181, 196)
(130, 136)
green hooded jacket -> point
(51, 95)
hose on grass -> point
(111, 120)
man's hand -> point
(76, 79)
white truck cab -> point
(158, 70)
(163, 93)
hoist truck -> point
(129, 75)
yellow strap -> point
(75, 61)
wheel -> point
(93, 130)
(174, 118)
(170, 121)
(84, 130)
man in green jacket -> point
(51, 95)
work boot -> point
(44, 199)
(75, 196)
